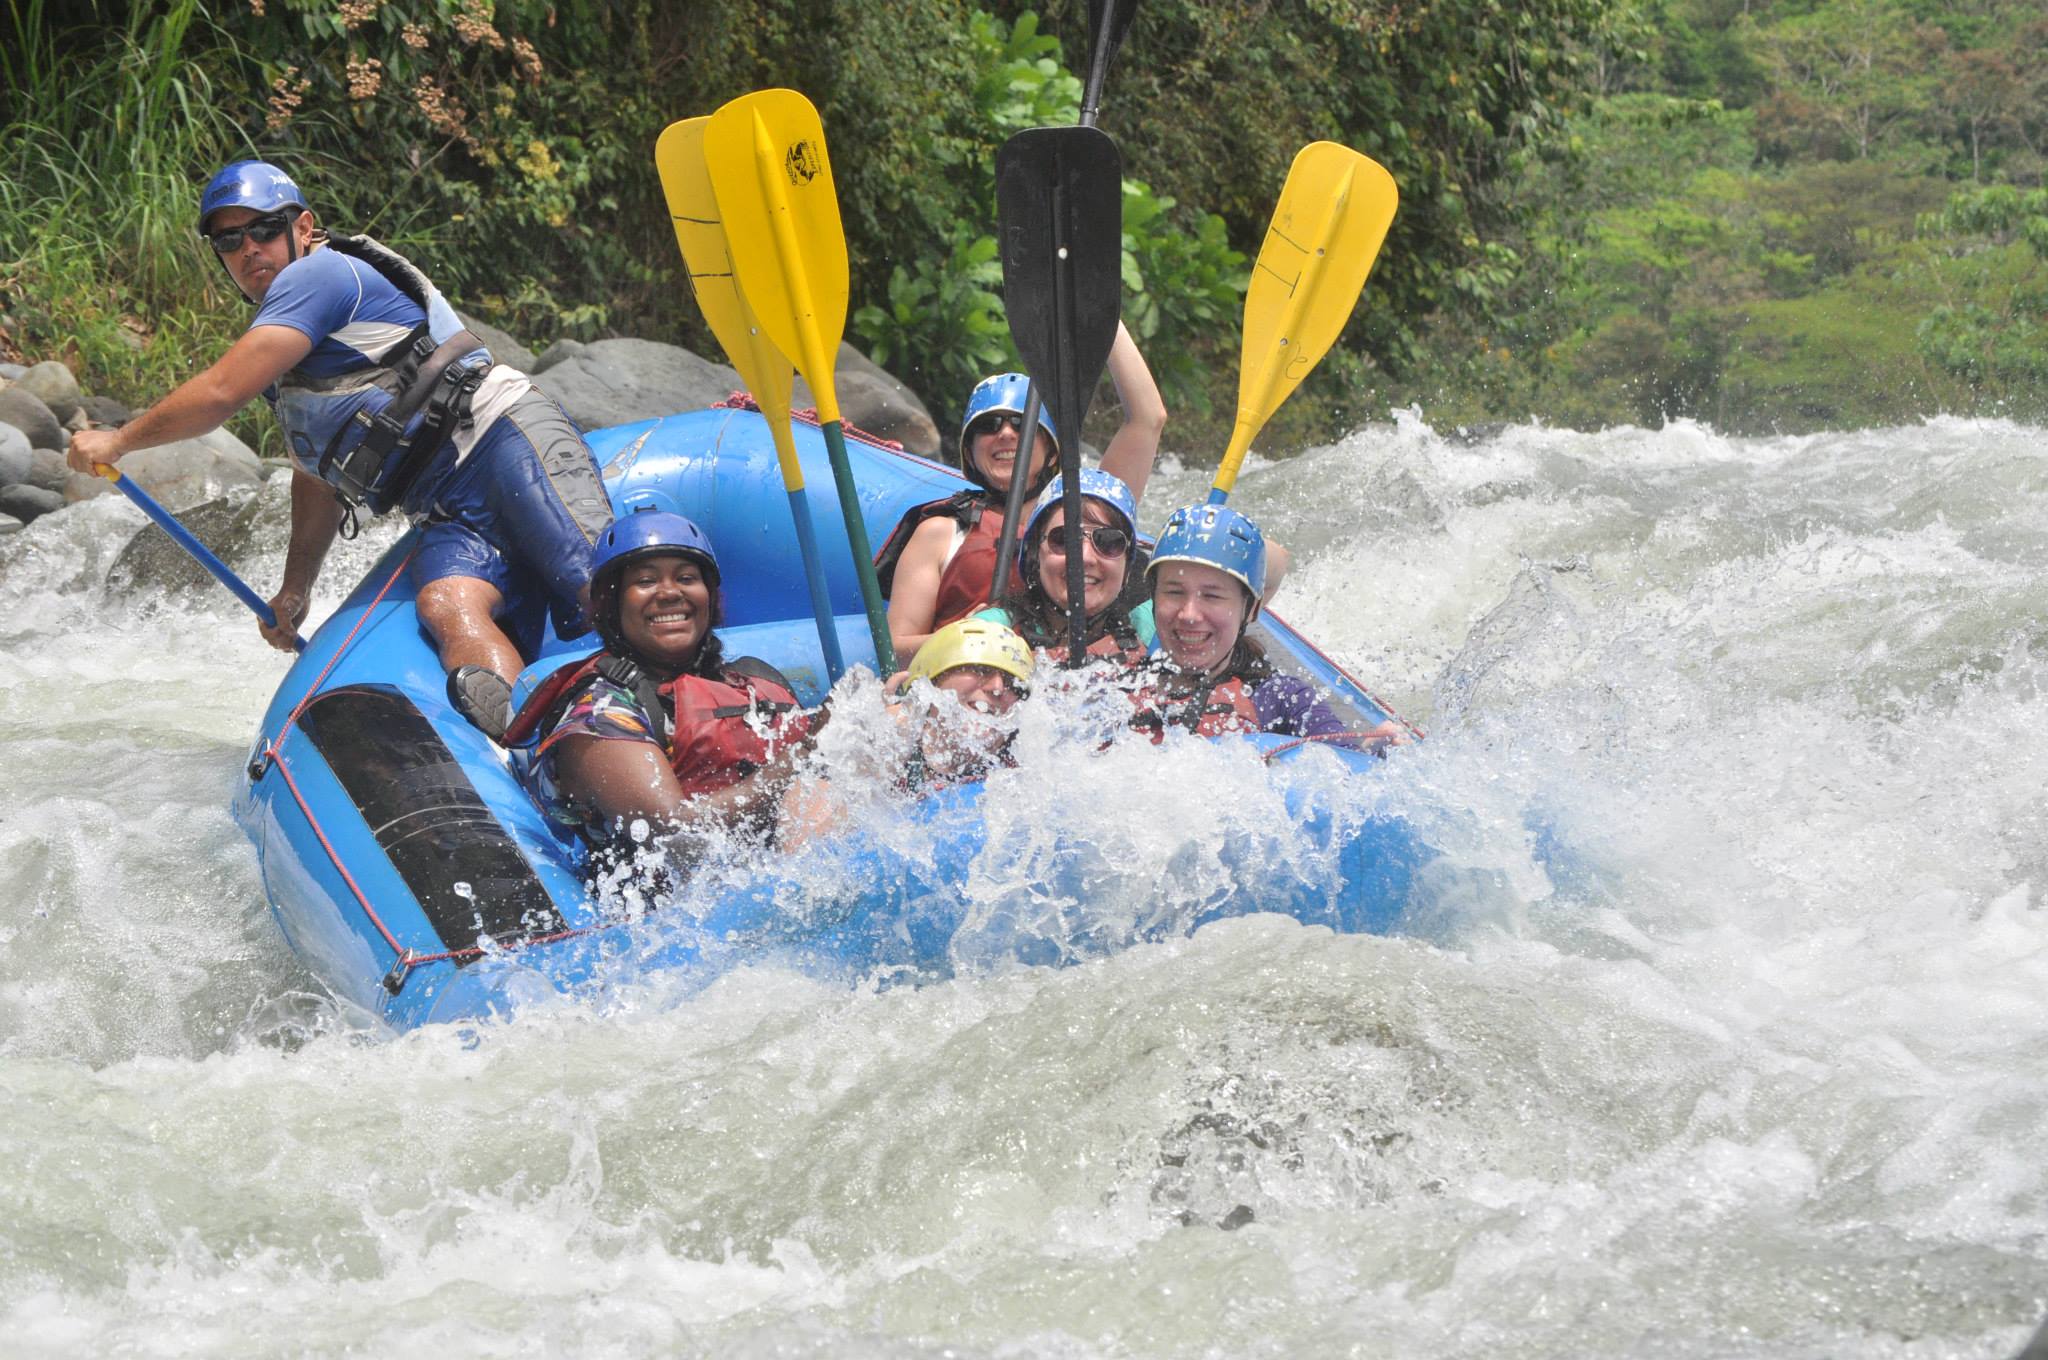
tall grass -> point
(111, 125)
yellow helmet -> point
(974, 642)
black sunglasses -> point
(1108, 542)
(262, 230)
(996, 420)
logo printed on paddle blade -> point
(783, 228)
(803, 162)
(700, 232)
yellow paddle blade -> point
(1333, 214)
(766, 154)
(693, 208)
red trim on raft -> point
(1385, 708)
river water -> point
(1766, 1074)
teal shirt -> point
(1141, 622)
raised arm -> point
(1135, 444)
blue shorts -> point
(522, 512)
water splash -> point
(1723, 1039)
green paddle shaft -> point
(863, 555)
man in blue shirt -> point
(388, 403)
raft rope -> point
(1326, 739)
(744, 401)
(273, 756)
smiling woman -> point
(659, 730)
(1118, 620)
(939, 565)
(1209, 575)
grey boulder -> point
(48, 470)
(228, 525)
(555, 353)
(9, 525)
(54, 384)
(106, 412)
(614, 382)
(16, 457)
(27, 503)
(185, 473)
(875, 401)
(26, 411)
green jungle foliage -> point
(1761, 213)
(1779, 214)
(507, 144)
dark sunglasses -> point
(996, 420)
(262, 231)
(1108, 542)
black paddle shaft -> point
(1059, 199)
(1013, 503)
(1108, 21)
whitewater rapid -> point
(1757, 1067)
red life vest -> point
(1116, 637)
(716, 732)
(968, 581)
(1207, 710)
(1127, 653)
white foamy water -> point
(1759, 1068)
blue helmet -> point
(651, 533)
(1215, 536)
(630, 537)
(1097, 485)
(257, 185)
(999, 392)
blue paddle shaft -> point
(1217, 495)
(814, 574)
(201, 554)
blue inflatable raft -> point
(415, 875)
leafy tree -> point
(1848, 77)
(1211, 99)
(1983, 89)
(1994, 342)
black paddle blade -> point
(1108, 21)
(1059, 200)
